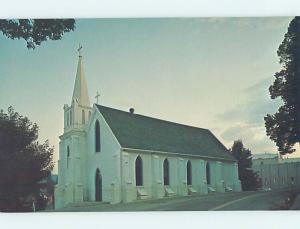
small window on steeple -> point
(68, 156)
(83, 117)
(68, 119)
(71, 120)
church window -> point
(138, 171)
(71, 117)
(189, 173)
(97, 137)
(166, 172)
(208, 173)
(83, 117)
(68, 156)
(68, 119)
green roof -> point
(141, 132)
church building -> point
(116, 156)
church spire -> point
(80, 93)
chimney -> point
(131, 111)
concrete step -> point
(211, 189)
(228, 189)
(169, 192)
(192, 191)
(141, 193)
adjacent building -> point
(276, 172)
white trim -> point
(178, 154)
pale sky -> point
(208, 72)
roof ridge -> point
(162, 120)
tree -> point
(23, 161)
(283, 127)
(35, 31)
(248, 178)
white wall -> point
(107, 160)
(153, 174)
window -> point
(189, 173)
(97, 137)
(68, 119)
(166, 172)
(208, 173)
(83, 117)
(90, 113)
(71, 117)
(68, 156)
(138, 171)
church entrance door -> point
(98, 186)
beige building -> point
(276, 172)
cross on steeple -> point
(97, 96)
(79, 49)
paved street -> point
(263, 200)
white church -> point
(115, 156)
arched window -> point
(189, 173)
(98, 186)
(138, 171)
(71, 117)
(68, 118)
(97, 137)
(166, 172)
(68, 156)
(90, 113)
(207, 173)
(83, 117)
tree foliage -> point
(249, 179)
(23, 160)
(283, 127)
(35, 31)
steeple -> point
(80, 93)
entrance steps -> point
(87, 203)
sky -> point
(207, 72)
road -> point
(263, 200)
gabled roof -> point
(141, 132)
